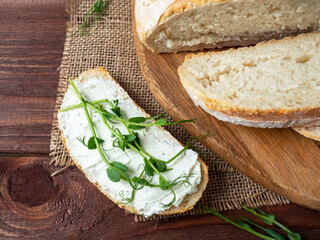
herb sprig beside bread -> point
(96, 11)
(248, 225)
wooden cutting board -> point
(282, 160)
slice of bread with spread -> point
(271, 85)
(180, 25)
(98, 84)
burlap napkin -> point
(110, 44)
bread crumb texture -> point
(171, 26)
(274, 76)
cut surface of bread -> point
(97, 84)
(310, 132)
(274, 84)
(179, 25)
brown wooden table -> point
(34, 205)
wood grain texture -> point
(32, 35)
(279, 159)
(34, 205)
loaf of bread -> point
(179, 25)
(271, 85)
(97, 84)
(310, 132)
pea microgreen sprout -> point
(152, 165)
(91, 142)
(246, 224)
(241, 225)
(80, 105)
(129, 123)
(98, 7)
(270, 232)
(171, 159)
(149, 165)
(116, 170)
(135, 123)
(270, 220)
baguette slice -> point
(97, 84)
(180, 25)
(272, 85)
(310, 132)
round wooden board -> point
(282, 160)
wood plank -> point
(279, 159)
(32, 36)
(67, 206)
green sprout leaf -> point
(141, 181)
(136, 141)
(148, 169)
(116, 109)
(131, 137)
(163, 184)
(161, 121)
(160, 166)
(135, 127)
(120, 166)
(244, 225)
(122, 144)
(108, 116)
(275, 235)
(137, 119)
(113, 174)
(92, 144)
(269, 218)
(294, 236)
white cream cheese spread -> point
(154, 140)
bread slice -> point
(272, 85)
(310, 132)
(97, 84)
(180, 25)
